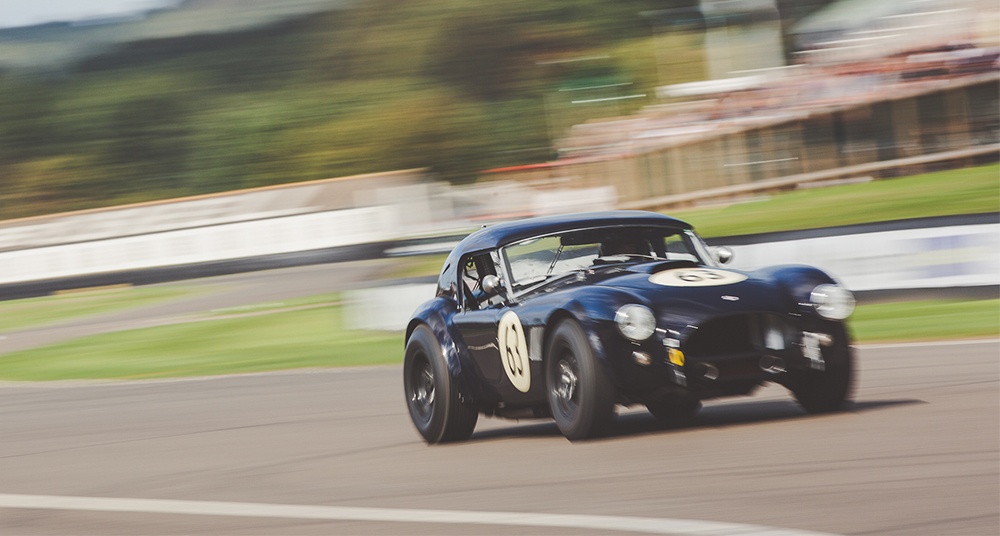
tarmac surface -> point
(333, 452)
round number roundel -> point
(514, 351)
(696, 277)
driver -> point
(624, 245)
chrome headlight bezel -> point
(832, 302)
(635, 322)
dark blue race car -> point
(569, 316)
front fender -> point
(594, 309)
(796, 281)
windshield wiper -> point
(554, 261)
(544, 282)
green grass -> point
(313, 337)
(20, 314)
(286, 340)
(417, 266)
(317, 300)
(926, 320)
(961, 191)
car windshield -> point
(535, 260)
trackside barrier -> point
(386, 308)
(239, 240)
(939, 257)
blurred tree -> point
(491, 53)
(148, 145)
(26, 104)
(455, 86)
(51, 184)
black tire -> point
(581, 398)
(431, 396)
(828, 390)
(674, 411)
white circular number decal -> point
(696, 277)
(514, 351)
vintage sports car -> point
(569, 316)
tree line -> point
(453, 86)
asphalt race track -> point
(333, 452)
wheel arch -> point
(435, 315)
(558, 316)
(579, 313)
(582, 403)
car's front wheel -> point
(431, 396)
(828, 390)
(581, 398)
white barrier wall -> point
(204, 244)
(937, 257)
(387, 308)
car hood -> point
(688, 295)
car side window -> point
(473, 269)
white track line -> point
(646, 525)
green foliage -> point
(456, 87)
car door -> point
(492, 332)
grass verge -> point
(926, 320)
(20, 314)
(313, 337)
(300, 338)
(960, 191)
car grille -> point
(738, 335)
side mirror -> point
(492, 285)
(723, 254)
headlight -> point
(832, 301)
(636, 322)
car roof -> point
(505, 233)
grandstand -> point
(929, 100)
